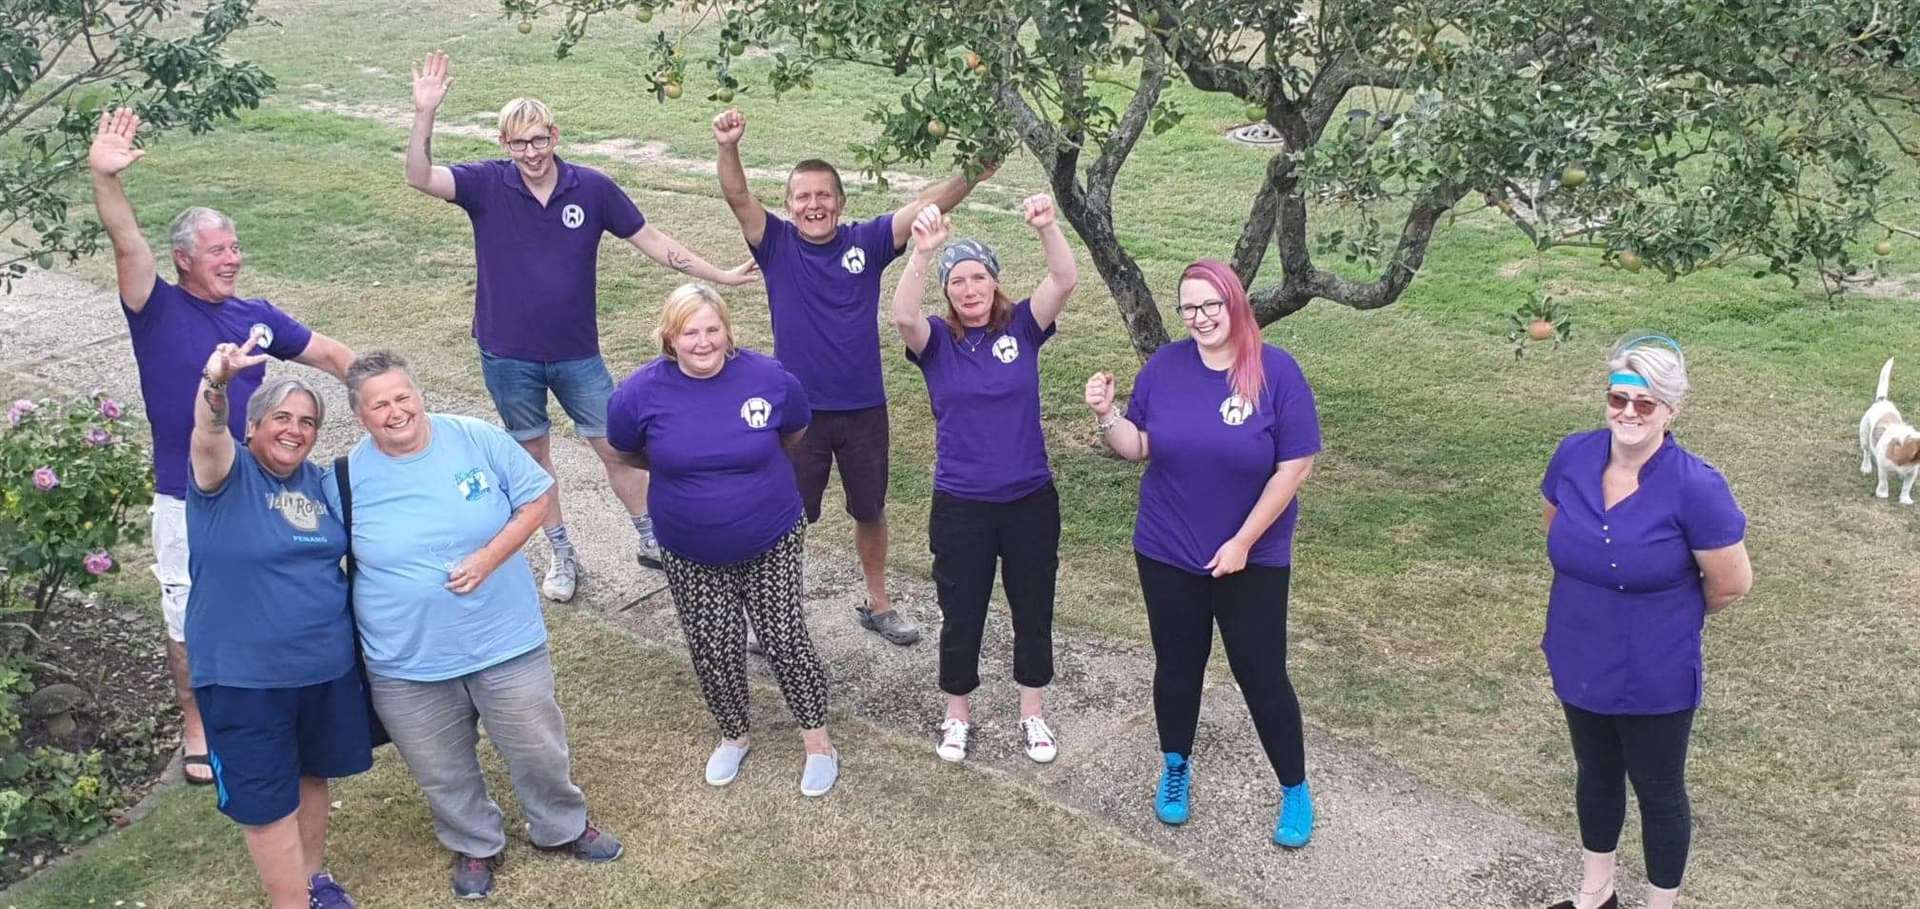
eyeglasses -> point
(537, 143)
(1190, 311)
(1641, 406)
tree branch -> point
(1303, 282)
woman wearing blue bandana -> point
(993, 496)
(1646, 541)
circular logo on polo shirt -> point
(854, 260)
(262, 331)
(756, 411)
(573, 216)
(1235, 410)
(1006, 350)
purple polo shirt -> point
(1624, 616)
(172, 337)
(535, 296)
(825, 302)
(985, 390)
(1211, 455)
(723, 490)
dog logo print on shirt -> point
(573, 216)
(854, 260)
(1006, 350)
(264, 332)
(472, 484)
(756, 411)
(1235, 410)
(300, 512)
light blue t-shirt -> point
(416, 517)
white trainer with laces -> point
(953, 740)
(1040, 744)
(563, 576)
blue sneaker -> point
(323, 893)
(1295, 825)
(1176, 789)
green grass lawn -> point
(1421, 579)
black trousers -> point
(1652, 752)
(1250, 606)
(967, 538)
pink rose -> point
(45, 479)
(98, 562)
(99, 438)
(19, 410)
(110, 408)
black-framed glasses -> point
(1190, 311)
(1641, 406)
(537, 143)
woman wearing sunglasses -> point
(1646, 541)
(1228, 429)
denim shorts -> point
(519, 389)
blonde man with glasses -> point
(537, 222)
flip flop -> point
(201, 760)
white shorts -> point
(170, 561)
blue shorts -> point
(261, 741)
(519, 389)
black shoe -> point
(473, 877)
(1613, 902)
(594, 846)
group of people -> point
(316, 610)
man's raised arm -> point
(112, 153)
(430, 84)
(728, 127)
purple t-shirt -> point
(1624, 616)
(723, 490)
(825, 302)
(1211, 455)
(985, 391)
(172, 337)
(535, 295)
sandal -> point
(196, 760)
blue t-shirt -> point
(268, 605)
(172, 337)
(414, 519)
(723, 490)
(824, 299)
(985, 391)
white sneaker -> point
(953, 740)
(724, 764)
(819, 774)
(563, 575)
(1040, 744)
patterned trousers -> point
(711, 600)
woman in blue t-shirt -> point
(713, 422)
(993, 496)
(269, 635)
(1228, 429)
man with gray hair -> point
(174, 327)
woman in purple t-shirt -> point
(1228, 429)
(713, 422)
(993, 496)
(1646, 541)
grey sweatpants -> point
(433, 725)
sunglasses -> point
(1641, 406)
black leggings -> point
(967, 538)
(1251, 607)
(1652, 752)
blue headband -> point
(1656, 338)
(968, 251)
(1627, 378)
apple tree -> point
(63, 61)
(1675, 135)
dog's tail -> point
(1886, 376)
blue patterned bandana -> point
(968, 251)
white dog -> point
(1888, 442)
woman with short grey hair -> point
(269, 637)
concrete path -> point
(1384, 839)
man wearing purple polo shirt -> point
(174, 328)
(823, 291)
(537, 222)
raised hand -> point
(229, 359)
(729, 126)
(1100, 394)
(112, 150)
(745, 273)
(930, 230)
(430, 83)
(1039, 211)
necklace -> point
(973, 343)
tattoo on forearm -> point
(679, 260)
(217, 402)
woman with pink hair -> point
(1228, 429)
